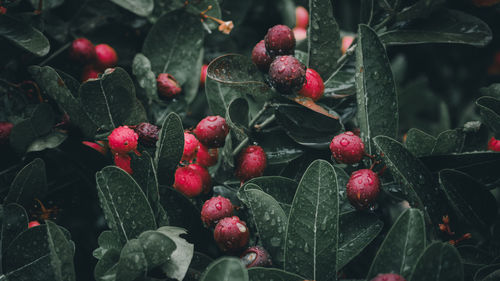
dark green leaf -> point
(145, 175)
(49, 141)
(14, 220)
(192, 86)
(178, 264)
(261, 273)
(39, 123)
(26, 248)
(108, 240)
(439, 262)
(490, 113)
(450, 141)
(138, 7)
(24, 36)
(286, 9)
(421, 8)
(237, 118)
(157, 247)
(133, 263)
(61, 252)
(280, 188)
(106, 263)
(279, 148)
(30, 183)
(226, 268)
(488, 273)
(169, 148)
(419, 143)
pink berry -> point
(347, 148)
(123, 161)
(148, 134)
(314, 86)
(98, 146)
(256, 256)
(215, 209)
(231, 234)
(363, 188)
(494, 144)
(190, 146)
(287, 74)
(212, 131)
(106, 56)
(188, 181)
(260, 57)
(82, 50)
(33, 224)
(205, 156)
(90, 72)
(123, 140)
(203, 75)
(388, 277)
(251, 163)
(300, 33)
(301, 17)
(205, 176)
(346, 43)
(167, 86)
(279, 41)
(5, 129)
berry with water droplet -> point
(314, 86)
(82, 50)
(167, 86)
(256, 256)
(287, 74)
(190, 147)
(106, 56)
(388, 277)
(251, 163)
(205, 156)
(148, 134)
(301, 17)
(205, 176)
(260, 57)
(123, 161)
(363, 188)
(279, 41)
(347, 148)
(188, 181)
(212, 131)
(33, 224)
(123, 140)
(231, 234)
(5, 129)
(494, 144)
(215, 209)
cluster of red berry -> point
(96, 58)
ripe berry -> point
(106, 56)
(314, 86)
(203, 75)
(190, 146)
(494, 144)
(363, 188)
(212, 131)
(167, 86)
(82, 50)
(33, 224)
(148, 134)
(279, 41)
(301, 17)
(231, 234)
(256, 256)
(287, 74)
(188, 181)
(388, 277)
(5, 129)
(251, 163)
(260, 57)
(300, 33)
(90, 72)
(205, 156)
(123, 140)
(99, 146)
(346, 43)
(215, 209)
(347, 148)
(205, 176)
(123, 161)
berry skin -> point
(190, 146)
(388, 277)
(212, 131)
(5, 129)
(279, 41)
(215, 209)
(256, 256)
(82, 50)
(346, 43)
(33, 224)
(98, 146)
(301, 17)
(188, 181)
(90, 72)
(167, 86)
(106, 56)
(314, 86)
(231, 234)
(205, 176)
(494, 144)
(123, 161)
(260, 57)
(148, 134)
(300, 33)
(206, 157)
(123, 140)
(363, 188)
(203, 75)
(287, 74)
(251, 163)
(347, 148)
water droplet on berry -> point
(218, 206)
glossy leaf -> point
(237, 118)
(61, 252)
(178, 264)
(490, 113)
(279, 148)
(145, 176)
(52, 140)
(13, 221)
(439, 262)
(106, 264)
(38, 123)
(419, 143)
(226, 268)
(30, 183)
(141, 68)
(108, 240)
(169, 148)
(133, 263)
(24, 36)
(420, 8)
(262, 273)
(138, 7)
(280, 188)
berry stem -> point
(266, 122)
(240, 146)
(56, 53)
(259, 114)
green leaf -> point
(192, 86)
(39, 122)
(139, 7)
(279, 148)
(375, 89)
(470, 199)
(108, 100)
(312, 233)
(30, 183)
(61, 250)
(402, 246)
(489, 108)
(449, 141)
(49, 141)
(270, 220)
(357, 231)
(237, 118)
(24, 36)
(169, 148)
(422, 8)
(157, 247)
(178, 264)
(14, 220)
(141, 68)
(173, 45)
(225, 268)
(262, 273)
(444, 26)
(286, 8)
(439, 262)
(488, 273)
(108, 240)
(419, 143)
(133, 263)
(106, 264)
(323, 38)
(145, 176)
(280, 188)
(125, 206)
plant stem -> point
(258, 127)
(56, 53)
(240, 146)
(258, 115)
(266, 122)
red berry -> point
(215, 209)
(106, 56)
(205, 156)
(287, 74)
(485, 3)
(251, 163)
(90, 72)
(212, 131)
(363, 188)
(33, 224)
(260, 57)
(301, 17)
(279, 41)
(494, 144)
(99, 146)
(205, 176)
(188, 181)
(3, 10)
(346, 43)
(167, 86)
(148, 134)
(314, 86)
(123, 161)
(203, 75)
(256, 256)
(82, 50)
(231, 234)
(388, 277)
(5, 129)
(300, 33)
(347, 148)
(123, 140)
(190, 146)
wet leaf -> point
(439, 262)
(29, 183)
(24, 36)
(139, 7)
(169, 148)
(490, 113)
(225, 268)
(261, 273)
(419, 143)
(14, 220)
(178, 264)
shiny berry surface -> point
(188, 181)
(363, 188)
(215, 209)
(106, 56)
(207, 157)
(212, 131)
(251, 163)
(494, 144)
(191, 144)
(287, 74)
(205, 176)
(123, 140)
(167, 86)
(388, 277)
(260, 57)
(82, 50)
(231, 234)
(279, 41)
(314, 86)
(347, 148)
(123, 161)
